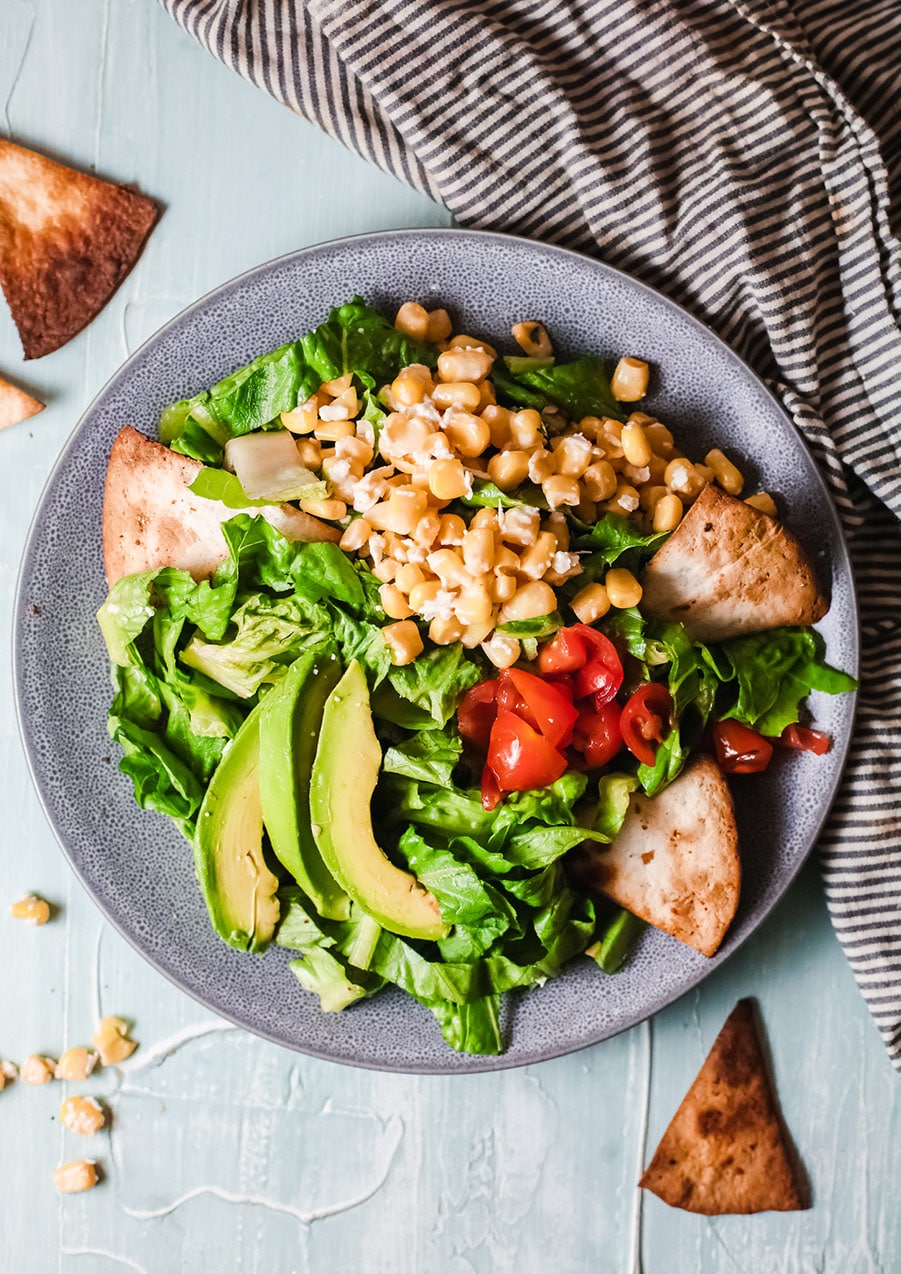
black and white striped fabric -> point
(744, 156)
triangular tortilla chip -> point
(151, 519)
(16, 405)
(729, 569)
(67, 241)
(675, 860)
(725, 1150)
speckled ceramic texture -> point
(139, 869)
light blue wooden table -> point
(225, 1152)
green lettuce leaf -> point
(473, 1027)
(774, 672)
(430, 756)
(436, 680)
(581, 388)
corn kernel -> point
(456, 365)
(537, 559)
(542, 465)
(681, 478)
(32, 909)
(411, 384)
(305, 417)
(667, 513)
(413, 321)
(519, 525)
(426, 531)
(573, 454)
(525, 429)
(443, 632)
(448, 480)
(439, 326)
(532, 339)
(452, 528)
(462, 341)
(332, 430)
(626, 499)
(503, 587)
(636, 448)
(660, 438)
(502, 650)
(83, 1115)
(462, 394)
(76, 1063)
(309, 451)
(508, 469)
(394, 604)
(449, 568)
(111, 1041)
(478, 550)
(560, 490)
(72, 1178)
(487, 396)
(335, 388)
(727, 475)
(623, 589)
(474, 606)
(590, 603)
(650, 496)
(763, 503)
(469, 435)
(498, 421)
(530, 601)
(356, 535)
(385, 569)
(403, 641)
(559, 528)
(475, 634)
(37, 1070)
(329, 510)
(599, 480)
(421, 595)
(630, 380)
(8, 1072)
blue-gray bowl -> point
(138, 868)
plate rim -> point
(475, 1063)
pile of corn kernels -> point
(468, 575)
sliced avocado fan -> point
(345, 772)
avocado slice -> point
(345, 772)
(239, 889)
(290, 717)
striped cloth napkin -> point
(739, 155)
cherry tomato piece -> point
(600, 680)
(597, 735)
(551, 709)
(567, 651)
(739, 749)
(801, 739)
(476, 714)
(491, 793)
(645, 720)
(565, 682)
(520, 757)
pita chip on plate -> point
(16, 405)
(674, 862)
(725, 1150)
(152, 519)
(729, 569)
(67, 240)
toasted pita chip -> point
(67, 241)
(16, 405)
(729, 569)
(725, 1150)
(675, 861)
(152, 519)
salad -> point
(400, 638)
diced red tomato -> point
(567, 651)
(801, 739)
(597, 735)
(645, 720)
(602, 675)
(520, 757)
(565, 683)
(739, 749)
(491, 793)
(552, 710)
(476, 714)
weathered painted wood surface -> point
(228, 1153)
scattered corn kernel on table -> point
(226, 1152)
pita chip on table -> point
(16, 405)
(726, 1150)
(67, 240)
(674, 862)
(729, 569)
(151, 518)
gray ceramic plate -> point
(138, 868)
